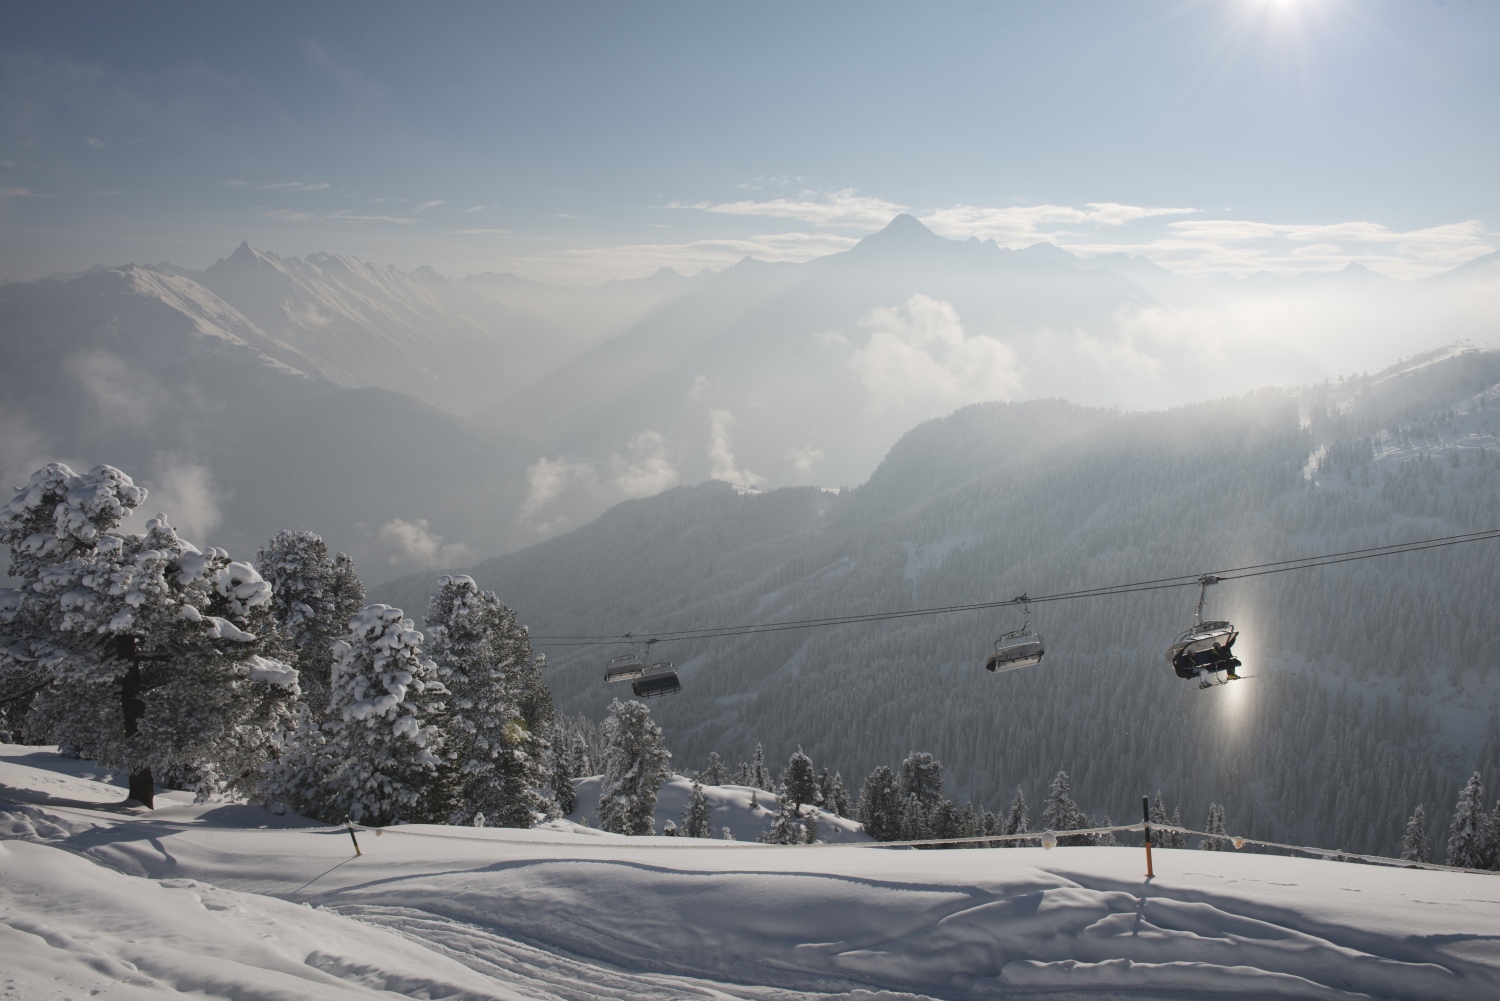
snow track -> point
(229, 902)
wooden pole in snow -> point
(357, 852)
(1146, 816)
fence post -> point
(1146, 816)
(350, 825)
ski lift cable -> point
(1181, 580)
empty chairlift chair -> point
(1022, 648)
(1206, 647)
(628, 666)
(659, 679)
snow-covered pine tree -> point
(915, 821)
(313, 597)
(922, 777)
(726, 834)
(635, 766)
(386, 738)
(800, 781)
(715, 774)
(969, 824)
(943, 821)
(1214, 828)
(149, 654)
(810, 828)
(786, 827)
(760, 775)
(484, 659)
(695, 819)
(744, 775)
(1466, 847)
(1414, 846)
(1176, 839)
(837, 801)
(1106, 839)
(1060, 814)
(1017, 821)
(1492, 838)
(1159, 812)
(562, 774)
(581, 760)
(881, 805)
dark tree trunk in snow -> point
(142, 786)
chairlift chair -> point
(628, 666)
(659, 679)
(1205, 647)
(1021, 648)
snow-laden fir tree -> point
(760, 775)
(715, 774)
(922, 777)
(881, 805)
(1060, 814)
(145, 652)
(1466, 847)
(386, 740)
(943, 820)
(313, 597)
(1491, 838)
(1215, 829)
(1176, 839)
(1414, 846)
(563, 792)
(1017, 820)
(837, 799)
(1105, 839)
(695, 818)
(635, 766)
(800, 781)
(915, 825)
(500, 713)
(969, 824)
(786, 826)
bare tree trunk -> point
(142, 785)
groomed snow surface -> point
(225, 900)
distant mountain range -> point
(508, 410)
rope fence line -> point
(1180, 580)
(678, 843)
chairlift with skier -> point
(1021, 648)
(1206, 647)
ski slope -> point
(226, 900)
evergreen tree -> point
(1214, 828)
(970, 825)
(139, 650)
(1018, 820)
(922, 777)
(715, 774)
(800, 781)
(695, 820)
(1491, 838)
(787, 827)
(562, 775)
(1159, 812)
(1106, 839)
(1414, 842)
(484, 659)
(726, 834)
(1176, 839)
(635, 766)
(760, 775)
(837, 799)
(386, 738)
(1060, 814)
(810, 829)
(943, 822)
(881, 805)
(581, 760)
(313, 597)
(915, 824)
(744, 775)
(1466, 847)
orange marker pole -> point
(1146, 816)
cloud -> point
(415, 542)
(721, 456)
(292, 186)
(1022, 225)
(94, 142)
(21, 193)
(843, 208)
(644, 469)
(475, 208)
(185, 491)
(123, 395)
(434, 203)
(342, 215)
(803, 459)
(919, 356)
(598, 264)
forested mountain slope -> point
(1374, 682)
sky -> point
(583, 142)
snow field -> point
(205, 898)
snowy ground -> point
(228, 901)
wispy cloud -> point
(21, 193)
(94, 142)
(475, 208)
(364, 93)
(591, 264)
(434, 203)
(279, 185)
(343, 215)
(844, 208)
